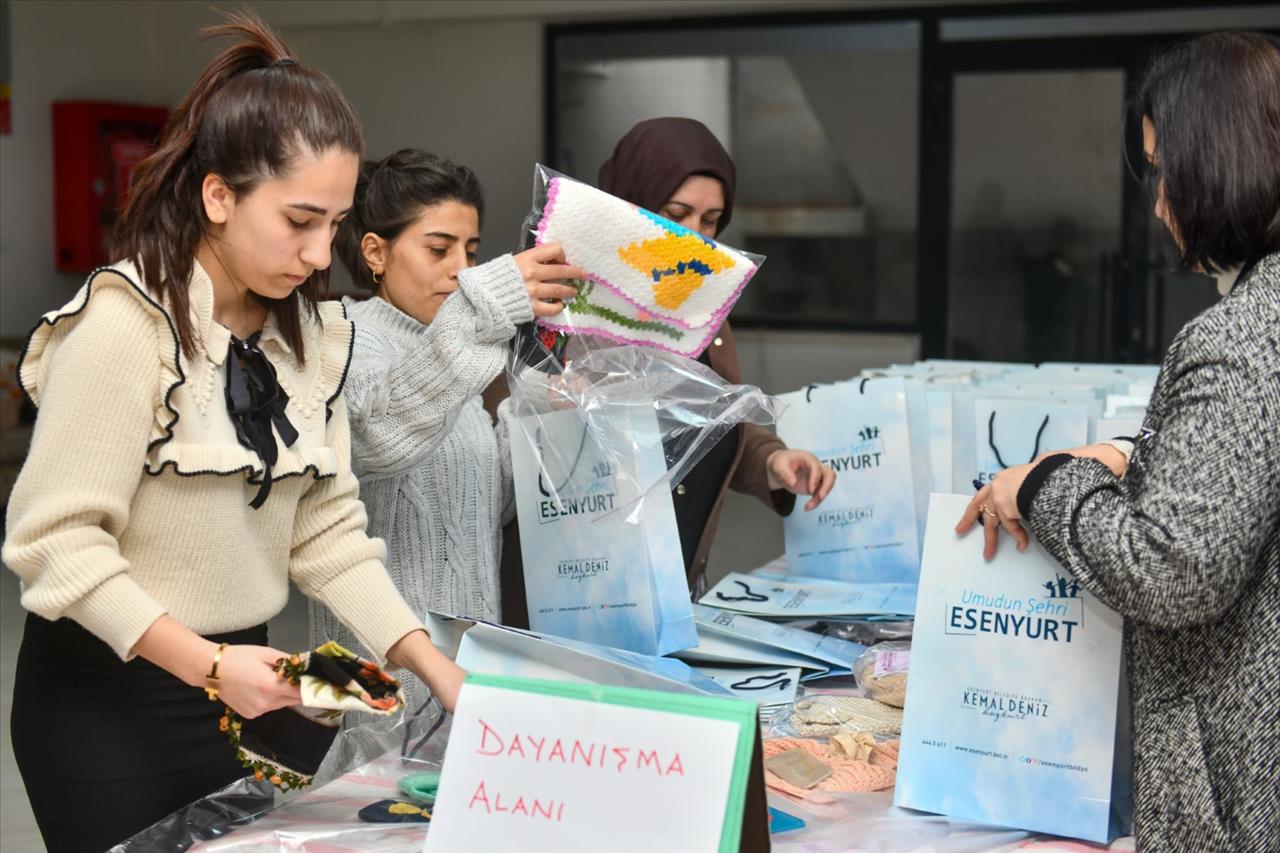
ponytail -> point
(253, 110)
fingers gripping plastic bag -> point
(599, 433)
(650, 281)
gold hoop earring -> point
(377, 279)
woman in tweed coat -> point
(1179, 530)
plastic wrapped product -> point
(651, 282)
(881, 672)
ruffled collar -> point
(215, 338)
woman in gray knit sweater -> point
(1181, 533)
(434, 334)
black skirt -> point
(108, 748)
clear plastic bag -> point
(651, 281)
(693, 406)
(881, 672)
(823, 716)
(365, 765)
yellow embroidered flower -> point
(677, 264)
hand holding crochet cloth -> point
(286, 746)
(650, 281)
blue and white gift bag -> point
(598, 567)
(868, 529)
(1013, 690)
(1009, 432)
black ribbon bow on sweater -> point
(255, 401)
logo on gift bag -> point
(866, 453)
(579, 570)
(1054, 618)
(839, 518)
(1061, 588)
(582, 490)
(998, 706)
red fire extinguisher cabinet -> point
(96, 147)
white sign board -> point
(546, 766)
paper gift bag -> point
(1008, 432)
(598, 566)
(1013, 690)
(868, 529)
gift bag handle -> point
(862, 389)
(991, 439)
(750, 596)
(573, 469)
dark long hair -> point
(251, 113)
(392, 193)
(1215, 104)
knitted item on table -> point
(885, 754)
(651, 282)
(846, 774)
(824, 716)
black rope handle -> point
(750, 596)
(991, 439)
(573, 469)
(779, 680)
(405, 752)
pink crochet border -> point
(714, 323)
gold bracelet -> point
(212, 677)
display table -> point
(325, 818)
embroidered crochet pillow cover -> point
(651, 282)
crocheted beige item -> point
(846, 774)
(890, 689)
(855, 745)
(886, 754)
(824, 716)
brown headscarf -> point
(657, 155)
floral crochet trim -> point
(281, 777)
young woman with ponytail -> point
(191, 457)
(435, 333)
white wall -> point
(601, 101)
(461, 78)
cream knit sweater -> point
(134, 499)
(433, 474)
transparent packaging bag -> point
(881, 672)
(366, 764)
(603, 421)
(650, 281)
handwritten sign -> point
(541, 765)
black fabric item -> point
(1036, 479)
(288, 739)
(702, 487)
(108, 748)
(380, 812)
(255, 401)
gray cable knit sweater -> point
(1187, 548)
(436, 486)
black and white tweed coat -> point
(1186, 547)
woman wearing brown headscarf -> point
(677, 168)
